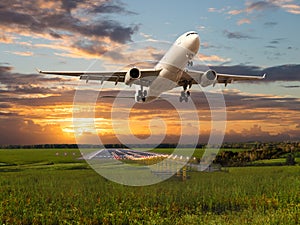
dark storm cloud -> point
(90, 46)
(16, 86)
(4, 114)
(31, 18)
(257, 133)
(112, 7)
(8, 77)
(236, 35)
(261, 5)
(283, 73)
(68, 5)
(235, 101)
(5, 106)
(18, 130)
(61, 98)
(5, 69)
(8, 17)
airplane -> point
(170, 72)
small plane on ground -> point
(170, 72)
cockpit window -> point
(191, 33)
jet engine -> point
(208, 78)
(132, 75)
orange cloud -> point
(212, 58)
(235, 12)
(27, 53)
(292, 8)
(7, 39)
(243, 21)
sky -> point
(241, 37)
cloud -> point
(213, 58)
(27, 53)
(112, 7)
(267, 5)
(283, 73)
(292, 8)
(244, 21)
(6, 39)
(236, 35)
(271, 46)
(235, 12)
(8, 77)
(260, 6)
(17, 130)
(256, 132)
(239, 102)
(4, 106)
(86, 27)
(214, 10)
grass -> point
(40, 187)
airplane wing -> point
(227, 78)
(197, 77)
(116, 76)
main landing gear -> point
(184, 96)
(141, 95)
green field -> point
(54, 187)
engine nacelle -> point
(132, 75)
(208, 78)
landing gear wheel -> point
(184, 96)
(141, 95)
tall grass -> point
(64, 194)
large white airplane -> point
(170, 72)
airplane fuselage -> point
(173, 63)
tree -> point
(290, 159)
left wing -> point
(102, 76)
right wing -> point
(228, 78)
(102, 76)
(195, 77)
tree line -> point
(259, 151)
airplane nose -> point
(195, 43)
